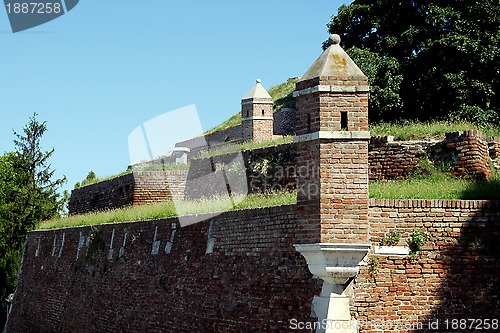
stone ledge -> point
(332, 135)
(392, 250)
(256, 118)
(332, 88)
(433, 203)
(256, 101)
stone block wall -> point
(139, 187)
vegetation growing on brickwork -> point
(167, 209)
(392, 240)
(96, 244)
(374, 263)
(416, 242)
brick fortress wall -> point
(157, 277)
(110, 278)
(139, 187)
(471, 151)
(109, 194)
(456, 276)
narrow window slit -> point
(343, 120)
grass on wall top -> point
(434, 130)
(167, 209)
(437, 184)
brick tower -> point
(257, 114)
(332, 177)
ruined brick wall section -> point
(157, 186)
(456, 276)
(472, 154)
(392, 160)
(112, 193)
(129, 277)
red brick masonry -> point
(254, 281)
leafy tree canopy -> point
(426, 59)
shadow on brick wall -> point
(470, 293)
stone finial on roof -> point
(258, 91)
(334, 39)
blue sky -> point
(108, 66)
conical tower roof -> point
(258, 91)
(334, 61)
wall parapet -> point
(434, 203)
(137, 187)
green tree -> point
(27, 196)
(426, 59)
